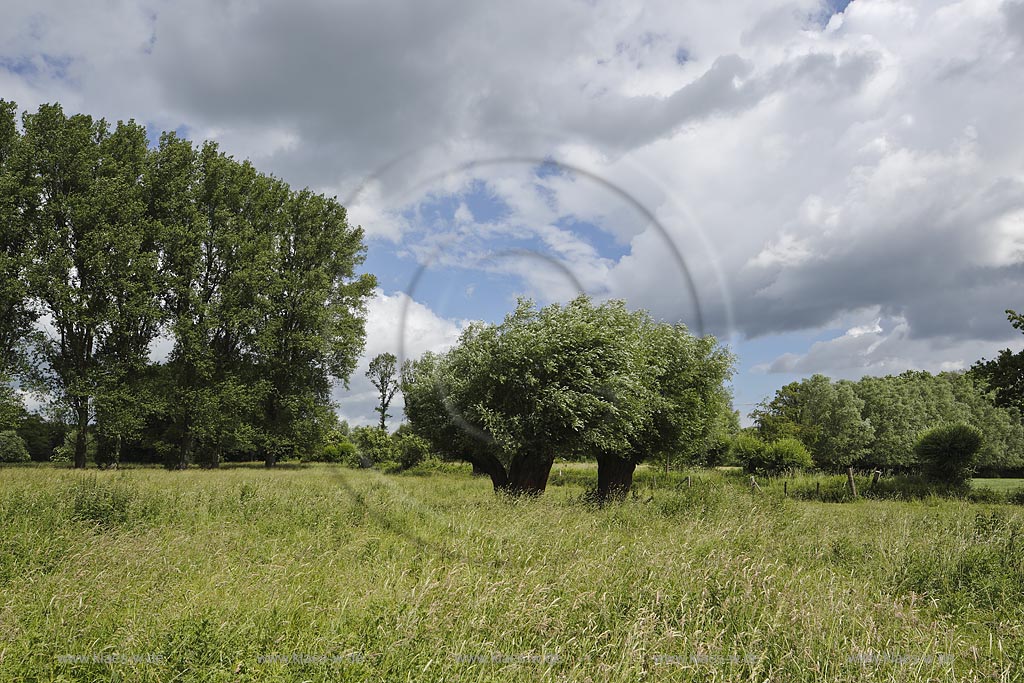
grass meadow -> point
(321, 573)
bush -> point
(12, 448)
(717, 452)
(66, 451)
(985, 495)
(949, 453)
(412, 450)
(746, 450)
(780, 456)
(339, 451)
(375, 446)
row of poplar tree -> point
(111, 248)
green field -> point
(1004, 485)
(326, 574)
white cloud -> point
(371, 211)
(803, 168)
(395, 324)
(876, 350)
(860, 330)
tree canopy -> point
(117, 245)
(876, 421)
(578, 379)
(1004, 374)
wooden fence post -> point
(851, 482)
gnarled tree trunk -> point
(82, 435)
(485, 463)
(185, 449)
(528, 475)
(614, 477)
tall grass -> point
(325, 573)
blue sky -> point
(845, 192)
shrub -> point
(780, 456)
(412, 450)
(986, 495)
(375, 446)
(348, 454)
(342, 451)
(949, 453)
(12, 448)
(717, 452)
(66, 451)
(746, 450)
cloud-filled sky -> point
(827, 186)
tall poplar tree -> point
(212, 273)
(91, 255)
(311, 330)
(16, 316)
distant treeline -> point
(110, 247)
(875, 422)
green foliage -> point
(93, 260)
(114, 243)
(875, 422)
(41, 436)
(12, 408)
(781, 456)
(1004, 374)
(412, 449)
(16, 313)
(311, 310)
(337, 449)
(375, 446)
(684, 408)
(579, 380)
(746, 450)
(724, 428)
(825, 417)
(12, 448)
(901, 407)
(215, 266)
(65, 452)
(949, 453)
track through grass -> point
(325, 573)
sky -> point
(825, 186)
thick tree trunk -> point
(210, 459)
(185, 449)
(528, 475)
(614, 477)
(81, 438)
(270, 459)
(485, 463)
